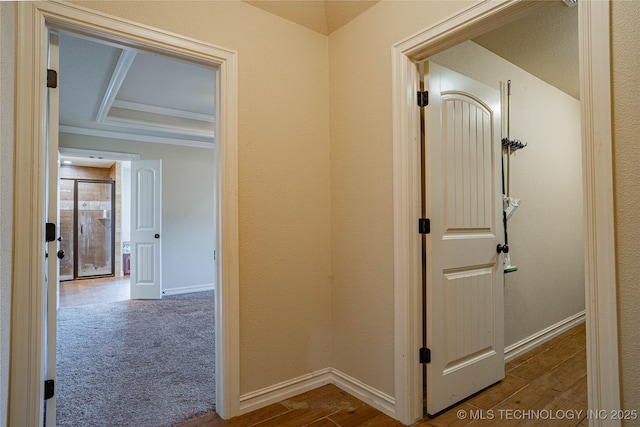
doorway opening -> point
(87, 220)
(600, 310)
(30, 349)
(85, 277)
(542, 166)
(111, 100)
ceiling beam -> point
(117, 78)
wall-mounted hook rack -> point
(513, 144)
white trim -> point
(600, 286)
(107, 155)
(128, 105)
(284, 390)
(117, 78)
(27, 347)
(155, 126)
(134, 137)
(27, 306)
(524, 345)
(407, 267)
(600, 251)
(379, 400)
(189, 289)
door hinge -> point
(425, 355)
(423, 99)
(50, 232)
(424, 226)
(52, 79)
(49, 389)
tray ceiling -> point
(106, 90)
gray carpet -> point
(136, 363)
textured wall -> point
(626, 125)
(283, 179)
(7, 44)
(362, 185)
(187, 206)
(546, 236)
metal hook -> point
(513, 144)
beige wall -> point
(626, 124)
(546, 235)
(285, 283)
(7, 28)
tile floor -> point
(550, 378)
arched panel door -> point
(465, 330)
(146, 229)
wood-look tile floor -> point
(551, 378)
(91, 291)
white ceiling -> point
(109, 91)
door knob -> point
(60, 254)
(503, 249)
(157, 236)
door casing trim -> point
(600, 258)
(28, 302)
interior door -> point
(54, 253)
(146, 229)
(464, 292)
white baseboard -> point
(514, 350)
(379, 400)
(189, 289)
(284, 390)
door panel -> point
(467, 148)
(464, 319)
(146, 229)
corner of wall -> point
(7, 61)
(625, 17)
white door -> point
(53, 217)
(146, 229)
(464, 319)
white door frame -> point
(27, 346)
(600, 279)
